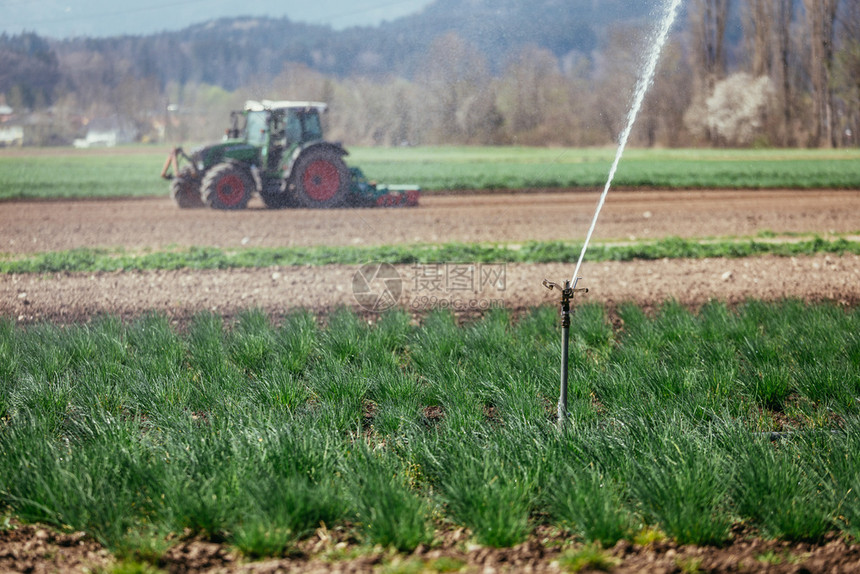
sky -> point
(99, 18)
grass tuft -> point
(590, 557)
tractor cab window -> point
(294, 129)
(313, 129)
(256, 128)
(302, 127)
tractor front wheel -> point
(227, 186)
(185, 190)
(320, 179)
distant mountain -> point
(230, 52)
(241, 52)
(63, 19)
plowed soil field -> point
(152, 224)
(156, 223)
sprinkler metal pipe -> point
(567, 294)
(565, 351)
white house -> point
(11, 135)
(108, 132)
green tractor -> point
(276, 149)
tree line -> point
(736, 73)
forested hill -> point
(499, 28)
(239, 52)
(540, 72)
(232, 52)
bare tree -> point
(616, 68)
(455, 76)
(584, 130)
(662, 116)
(783, 17)
(295, 82)
(363, 112)
(758, 35)
(821, 16)
(709, 19)
(531, 92)
(771, 49)
(847, 73)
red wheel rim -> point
(321, 180)
(230, 190)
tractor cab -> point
(278, 129)
(278, 123)
(286, 123)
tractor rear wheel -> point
(227, 186)
(320, 179)
(185, 190)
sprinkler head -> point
(567, 292)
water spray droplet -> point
(641, 89)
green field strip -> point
(91, 260)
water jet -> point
(569, 288)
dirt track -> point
(31, 226)
(139, 224)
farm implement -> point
(276, 149)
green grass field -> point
(100, 259)
(517, 167)
(134, 171)
(254, 433)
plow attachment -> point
(371, 194)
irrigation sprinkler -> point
(567, 294)
(568, 291)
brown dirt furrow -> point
(156, 223)
(37, 549)
(77, 296)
